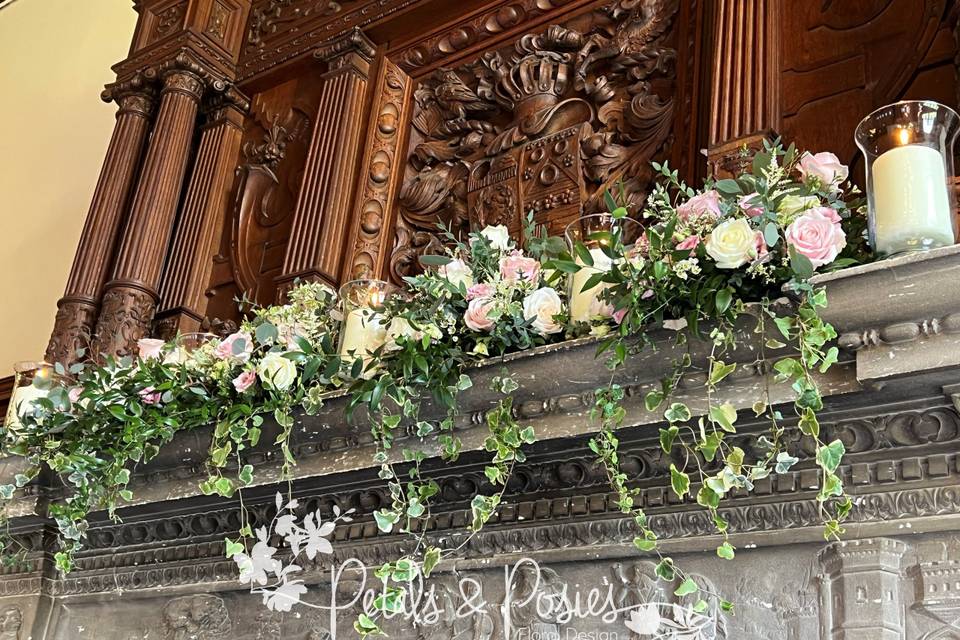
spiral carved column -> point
(187, 272)
(131, 296)
(77, 309)
(322, 213)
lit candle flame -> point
(904, 135)
(377, 296)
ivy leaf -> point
(667, 436)
(726, 551)
(648, 542)
(829, 456)
(386, 519)
(784, 462)
(233, 548)
(724, 415)
(653, 400)
(686, 587)
(677, 412)
(430, 560)
(246, 475)
(665, 569)
(809, 425)
(832, 486)
(719, 370)
(680, 481)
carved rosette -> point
(545, 125)
(379, 166)
(125, 316)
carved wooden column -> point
(322, 213)
(745, 87)
(187, 272)
(131, 296)
(77, 309)
(379, 176)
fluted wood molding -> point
(77, 309)
(197, 236)
(324, 204)
(131, 296)
(745, 87)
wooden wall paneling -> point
(77, 309)
(368, 241)
(324, 204)
(131, 296)
(197, 235)
(542, 121)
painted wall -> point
(55, 57)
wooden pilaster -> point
(322, 213)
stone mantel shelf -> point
(557, 381)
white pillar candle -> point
(363, 333)
(581, 301)
(911, 205)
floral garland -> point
(706, 259)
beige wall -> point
(55, 57)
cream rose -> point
(823, 166)
(731, 243)
(457, 272)
(817, 234)
(541, 306)
(277, 372)
(498, 236)
(476, 316)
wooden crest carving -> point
(544, 125)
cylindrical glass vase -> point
(32, 381)
(908, 147)
(362, 331)
(594, 232)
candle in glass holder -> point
(909, 151)
(363, 331)
(32, 382)
(582, 301)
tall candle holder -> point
(32, 381)
(362, 331)
(908, 147)
(594, 232)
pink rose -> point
(619, 315)
(518, 268)
(817, 234)
(646, 295)
(226, 350)
(824, 166)
(702, 204)
(74, 394)
(689, 243)
(747, 203)
(477, 315)
(149, 395)
(600, 308)
(150, 348)
(243, 381)
(760, 246)
(480, 290)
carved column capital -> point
(229, 105)
(138, 103)
(185, 82)
(352, 51)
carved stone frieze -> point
(544, 126)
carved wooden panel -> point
(268, 178)
(544, 123)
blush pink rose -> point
(477, 315)
(225, 350)
(700, 205)
(243, 381)
(824, 166)
(760, 246)
(689, 243)
(479, 290)
(817, 234)
(150, 348)
(149, 395)
(74, 394)
(518, 268)
(745, 203)
(619, 315)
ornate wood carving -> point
(257, 225)
(128, 303)
(544, 125)
(77, 310)
(379, 175)
(196, 239)
(320, 219)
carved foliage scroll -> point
(545, 124)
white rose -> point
(541, 306)
(457, 272)
(731, 243)
(400, 328)
(276, 371)
(498, 236)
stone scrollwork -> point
(544, 125)
(196, 617)
(11, 622)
